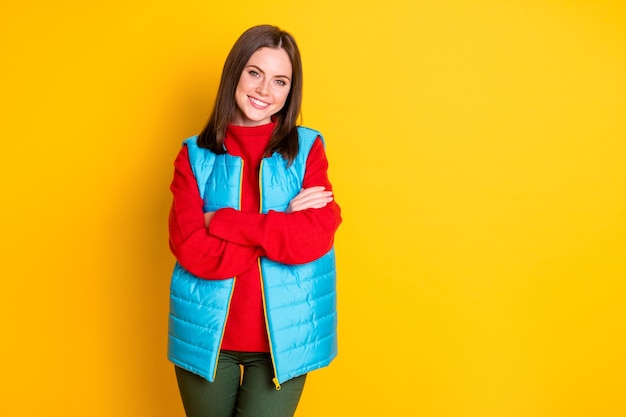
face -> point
(263, 87)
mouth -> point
(258, 104)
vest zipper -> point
(232, 292)
(267, 324)
(219, 348)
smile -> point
(258, 103)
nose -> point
(263, 87)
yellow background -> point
(477, 149)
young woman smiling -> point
(252, 224)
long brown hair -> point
(285, 136)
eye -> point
(253, 73)
(282, 83)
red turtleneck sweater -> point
(234, 240)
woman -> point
(252, 224)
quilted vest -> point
(299, 300)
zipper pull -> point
(275, 381)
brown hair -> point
(285, 136)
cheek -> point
(240, 87)
(244, 85)
(282, 97)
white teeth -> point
(258, 102)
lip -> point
(258, 104)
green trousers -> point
(243, 387)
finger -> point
(317, 196)
(311, 190)
(312, 194)
(310, 201)
(313, 202)
(308, 192)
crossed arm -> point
(309, 198)
(228, 242)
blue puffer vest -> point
(300, 300)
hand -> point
(207, 218)
(313, 197)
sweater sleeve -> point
(200, 253)
(290, 238)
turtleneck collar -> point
(248, 142)
(261, 130)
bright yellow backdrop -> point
(478, 150)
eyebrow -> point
(260, 70)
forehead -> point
(273, 61)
